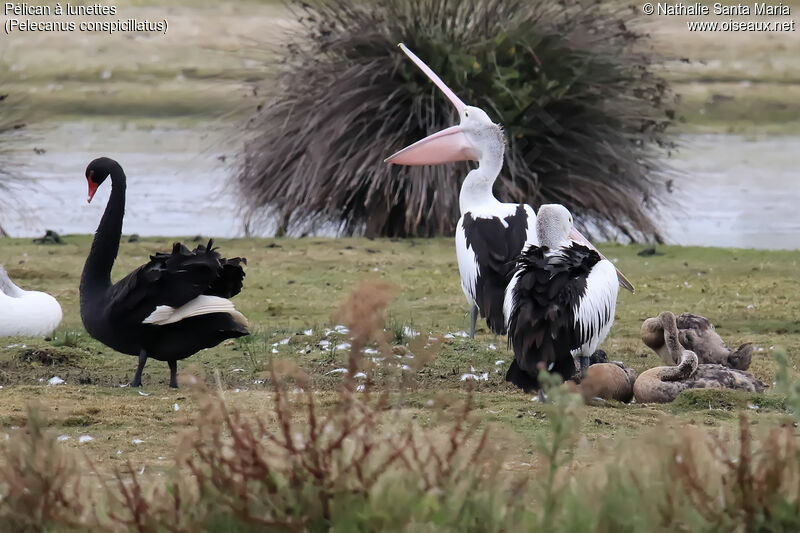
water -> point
(734, 191)
(737, 192)
(176, 183)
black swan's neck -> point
(97, 270)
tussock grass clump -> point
(586, 119)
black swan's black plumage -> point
(116, 314)
(541, 327)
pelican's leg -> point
(473, 319)
(137, 379)
(173, 373)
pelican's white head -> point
(554, 226)
(475, 138)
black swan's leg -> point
(473, 319)
(173, 373)
(137, 379)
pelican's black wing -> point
(496, 244)
(545, 293)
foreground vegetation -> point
(294, 428)
(414, 367)
(360, 466)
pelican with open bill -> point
(490, 234)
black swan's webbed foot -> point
(173, 374)
(137, 379)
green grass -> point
(293, 286)
(736, 107)
(729, 82)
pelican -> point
(490, 234)
(559, 303)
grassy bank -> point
(201, 69)
(292, 292)
(730, 82)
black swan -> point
(167, 309)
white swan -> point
(26, 313)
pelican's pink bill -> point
(434, 78)
(578, 237)
(442, 147)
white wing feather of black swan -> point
(173, 279)
(496, 246)
(545, 296)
